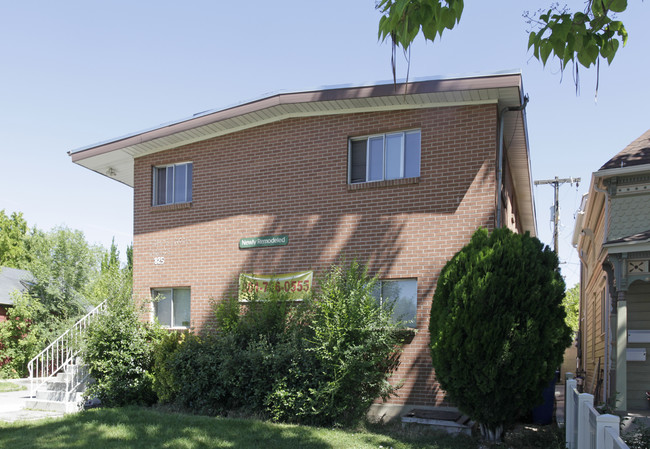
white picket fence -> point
(585, 427)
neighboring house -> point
(12, 280)
(612, 235)
(398, 177)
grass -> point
(10, 386)
(134, 427)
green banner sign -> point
(294, 286)
(260, 242)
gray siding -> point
(629, 216)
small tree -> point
(497, 327)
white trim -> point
(610, 172)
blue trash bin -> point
(543, 414)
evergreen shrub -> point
(497, 327)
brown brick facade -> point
(290, 177)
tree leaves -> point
(402, 20)
(579, 37)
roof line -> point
(329, 93)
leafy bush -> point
(638, 437)
(355, 342)
(164, 383)
(497, 326)
(322, 362)
(20, 339)
(119, 353)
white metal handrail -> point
(53, 359)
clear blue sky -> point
(77, 72)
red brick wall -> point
(290, 177)
(3, 313)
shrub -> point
(119, 353)
(165, 385)
(20, 339)
(266, 359)
(355, 342)
(497, 326)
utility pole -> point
(556, 205)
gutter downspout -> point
(500, 154)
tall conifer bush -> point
(497, 327)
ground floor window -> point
(172, 306)
(402, 293)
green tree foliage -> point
(113, 281)
(571, 303)
(13, 236)
(70, 277)
(19, 336)
(580, 38)
(119, 352)
(64, 264)
(497, 327)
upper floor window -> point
(385, 156)
(172, 184)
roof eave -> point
(115, 158)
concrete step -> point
(58, 395)
(449, 421)
(59, 385)
(53, 406)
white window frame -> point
(409, 322)
(384, 137)
(155, 292)
(171, 168)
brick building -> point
(395, 176)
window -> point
(403, 295)
(385, 156)
(172, 184)
(172, 306)
(604, 311)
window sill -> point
(170, 207)
(380, 184)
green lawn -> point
(134, 427)
(10, 386)
(146, 428)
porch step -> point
(53, 395)
(449, 421)
(54, 406)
